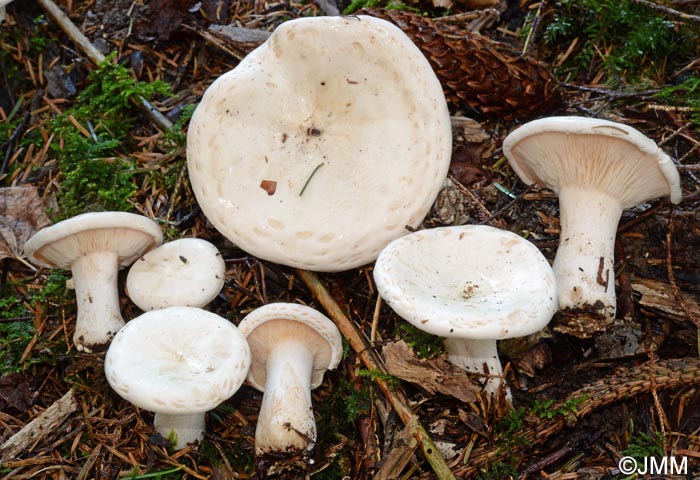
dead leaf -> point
(433, 375)
(21, 214)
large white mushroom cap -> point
(188, 272)
(126, 234)
(595, 154)
(474, 282)
(178, 360)
(323, 144)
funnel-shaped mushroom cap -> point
(322, 144)
(178, 360)
(126, 234)
(591, 153)
(188, 272)
(271, 325)
(474, 282)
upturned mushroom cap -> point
(178, 360)
(592, 153)
(323, 144)
(126, 234)
(268, 326)
(471, 281)
(188, 272)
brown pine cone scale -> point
(489, 77)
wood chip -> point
(43, 425)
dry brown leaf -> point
(433, 375)
(21, 214)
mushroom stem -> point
(99, 316)
(584, 264)
(182, 429)
(477, 356)
(286, 421)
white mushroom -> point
(471, 284)
(323, 144)
(178, 362)
(188, 272)
(597, 168)
(95, 246)
(291, 347)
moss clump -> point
(627, 41)
(90, 139)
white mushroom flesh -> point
(323, 144)
(178, 362)
(598, 168)
(471, 284)
(291, 346)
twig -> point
(510, 204)
(622, 385)
(532, 34)
(96, 57)
(672, 278)
(368, 357)
(646, 94)
(39, 427)
(668, 11)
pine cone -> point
(490, 77)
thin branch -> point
(668, 11)
(368, 357)
(96, 57)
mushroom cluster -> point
(322, 149)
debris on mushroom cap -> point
(468, 281)
(323, 144)
(592, 153)
(127, 234)
(177, 360)
(185, 272)
(264, 327)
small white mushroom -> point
(178, 362)
(323, 144)
(473, 285)
(597, 168)
(95, 246)
(188, 272)
(291, 347)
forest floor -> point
(72, 141)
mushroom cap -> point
(127, 234)
(274, 323)
(322, 144)
(188, 272)
(472, 281)
(592, 153)
(178, 360)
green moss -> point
(97, 174)
(643, 446)
(628, 41)
(424, 344)
(356, 5)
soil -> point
(360, 435)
